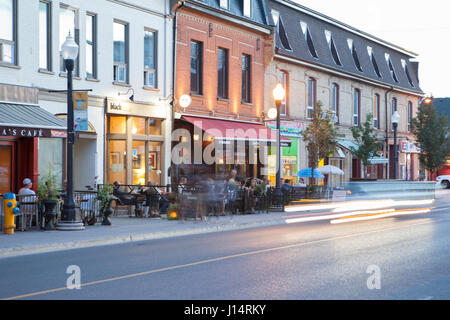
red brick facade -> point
(216, 33)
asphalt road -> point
(312, 260)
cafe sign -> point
(31, 132)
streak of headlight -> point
(335, 216)
(379, 204)
(386, 214)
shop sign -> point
(408, 147)
(24, 132)
(288, 128)
(58, 134)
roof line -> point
(347, 27)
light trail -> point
(387, 214)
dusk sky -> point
(418, 26)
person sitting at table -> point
(152, 190)
(125, 198)
(182, 185)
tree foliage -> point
(369, 144)
(432, 134)
(320, 136)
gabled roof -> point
(344, 37)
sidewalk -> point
(125, 229)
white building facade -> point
(125, 61)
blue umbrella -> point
(307, 173)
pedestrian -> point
(233, 178)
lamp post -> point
(279, 94)
(395, 121)
(68, 221)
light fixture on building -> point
(185, 101)
(272, 113)
(124, 94)
(196, 137)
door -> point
(7, 168)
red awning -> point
(234, 130)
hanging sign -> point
(80, 111)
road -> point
(405, 257)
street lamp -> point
(68, 221)
(279, 94)
(395, 121)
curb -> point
(13, 252)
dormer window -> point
(405, 67)
(308, 39)
(224, 4)
(374, 61)
(283, 36)
(352, 48)
(247, 8)
(332, 47)
(391, 67)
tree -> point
(320, 136)
(432, 134)
(368, 142)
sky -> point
(416, 25)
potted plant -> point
(49, 197)
(105, 196)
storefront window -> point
(118, 124)
(117, 161)
(138, 154)
(138, 126)
(50, 158)
(154, 128)
(154, 162)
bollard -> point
(11, 209)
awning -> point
(234, 130)
(348, 144)
(21, 120)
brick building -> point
(221, 47)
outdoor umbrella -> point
(307, 173)
(331, 170)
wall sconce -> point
(131, 98)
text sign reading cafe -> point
(30, 132)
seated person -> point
(286, 187)
(126, 198)
(182, 185)
(152, 190)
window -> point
(150, 75)
(196, 67)
(410, 115)
(247, 8)
(246, 83)
(311, 97)
(44, 36)
(405, 68)
(354, 54)
(8, 18)
(283, 36)
(376, 112)
(68, 23)
(222, 72)
(332, 47)
(120, 38)
(394, 105)
(283, 79)
(374, 61)
(224, 4)
(335, 101)
(91, 46)
(356, 106)
(391, 67)
(308, 39)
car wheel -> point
(446, 184)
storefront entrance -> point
(7, 152)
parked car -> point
(443, 181)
